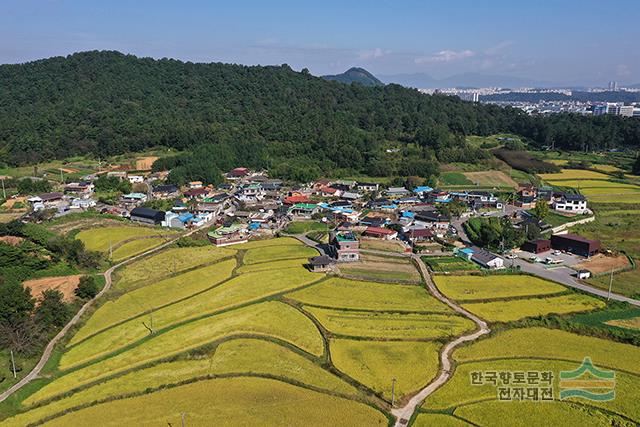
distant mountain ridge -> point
(355, 75)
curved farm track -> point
(33, 374)
(404, 413)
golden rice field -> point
(588, 184)
(271, 319)
(355, 294)
(154, 296)
(374, 363)
(135, 247)
(440, 420)
(99, 239)
(229, 402)
(230, 357)
(281, 241)
(242, 289)
(169, 261)
(271, 253)
(466, 288)
(273, 265)
(370, 324)
(508, 311)
(538, 349)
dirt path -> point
(404, 413)
(51, 345)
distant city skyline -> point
(563, 43)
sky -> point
(561, 41)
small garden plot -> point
(239, 290)
(368, 324)
(449, 264)
(601, 263)
(382, 268)
(99, 239)
(154, 296)
(249, 356)
(545, 343)
(467, 288)
(508, 311)
(491, 179)
(136, 247)
(167, 262)
(272, 253)
(303, 227)
(65, 284)
(355, 294)
(382, 245)
(270, 319)
(375, 363)
(229, 402)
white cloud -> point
(445, 56)
(371, 54)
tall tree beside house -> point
(541, 211)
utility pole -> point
(4, 192)
(610, 284)
(61, 177)
(110, 250)
(13, 365)
(182, 414)
(393, 392)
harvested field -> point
(6, 217)
(601, 263)
(145, 163)
(9, 203)
(65, 284)
(491, 179)
(382, 268)
(633, 323)
(382, 245)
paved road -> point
(404, 413)
(50, 346)
(559, 276)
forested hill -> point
(107, 103)
(355, 75)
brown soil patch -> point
(64, 284)
(12, 240)
(69, 170)
(145, 163)
(633, 323)
(10, 202)
(603, 264)
(67, 227)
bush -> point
(87, 288)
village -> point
(339, 214)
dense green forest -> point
(296, 124)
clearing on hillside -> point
(601, 263)
(65, 284)
(145, 163)
(492, 179)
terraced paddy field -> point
(535, 350)
(99, 239)
(186, 318)
(507, 298)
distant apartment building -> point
(626, 111)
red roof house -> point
(380, 233)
